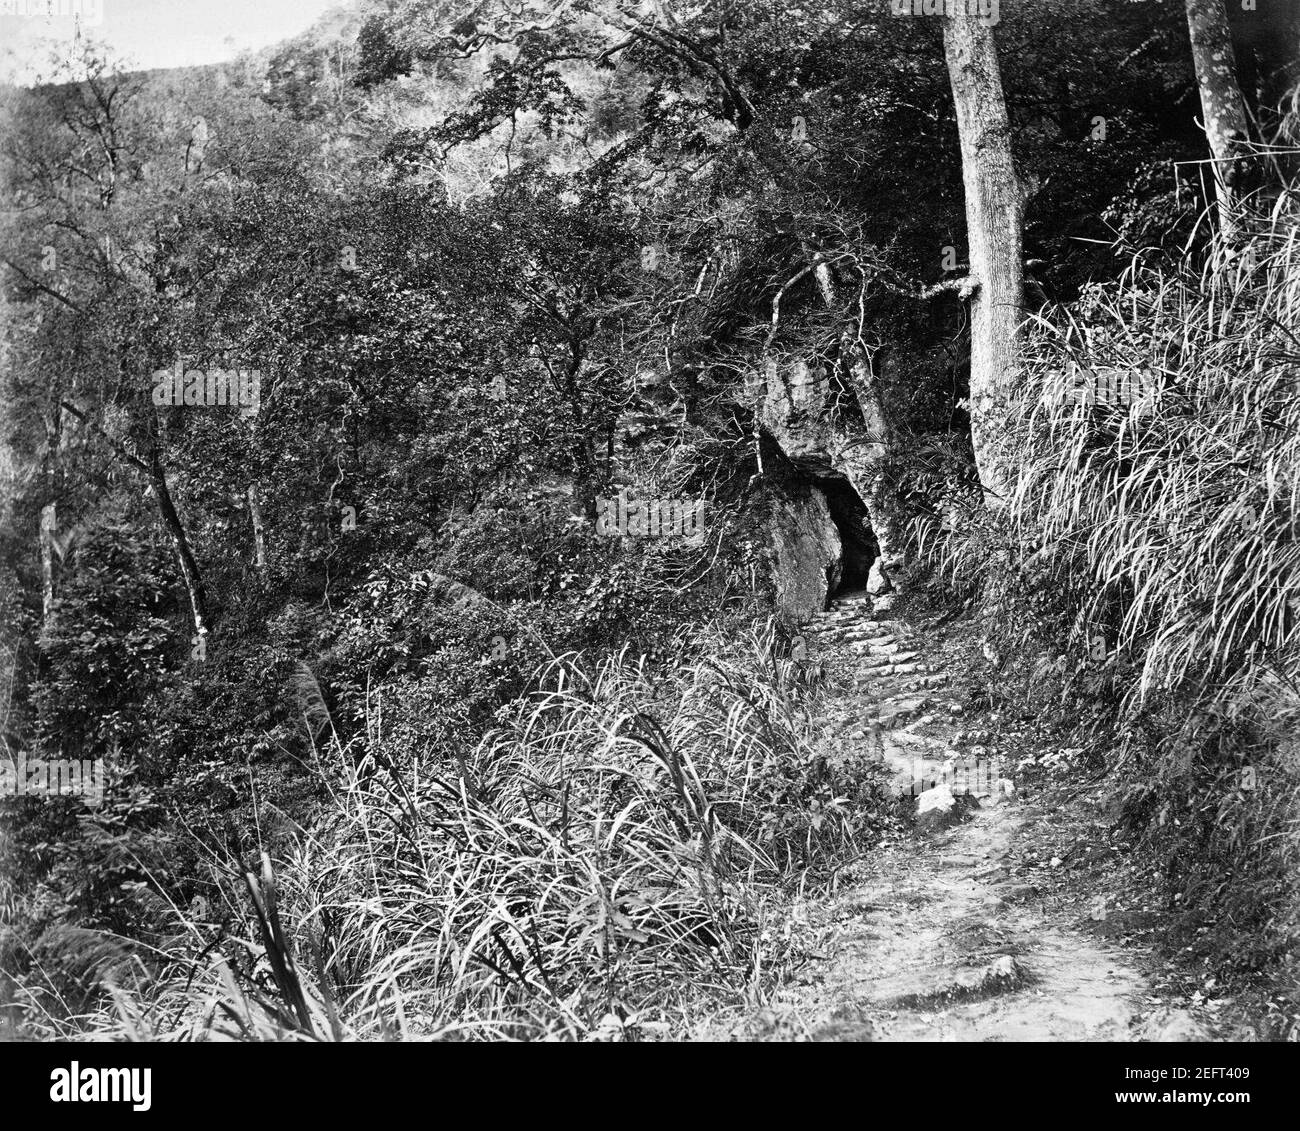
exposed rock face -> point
(824, 446)
(878, 583)
(807, 552)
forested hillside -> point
(429, 446)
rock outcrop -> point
(794, 410)
(807, 552)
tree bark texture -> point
(995, 203)
(1222, 105)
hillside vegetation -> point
(412, 728)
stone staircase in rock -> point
(898, 705)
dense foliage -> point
(509, 777)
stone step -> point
(899, 712)
(886, 666)
(936, 680)
(853, 626)
(884, 645)
(896, 654)
(868, 656)
(922, 742)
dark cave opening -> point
(859, 548)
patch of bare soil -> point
(935, 946)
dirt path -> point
(938, 947)
(939, 936)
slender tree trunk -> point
(49, 528)
(259, 531)
(995, 203)
(180, 541)
(49, 522)
(1222, 105)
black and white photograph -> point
(730, 522)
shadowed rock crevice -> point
(858, 549)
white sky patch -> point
(148, 33)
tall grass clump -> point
(1153, 548)
(614, 858)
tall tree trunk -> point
(995, 202)
(49, 528)
(190, 573)
(259, 531)
(1222, 105)
(49, 522)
